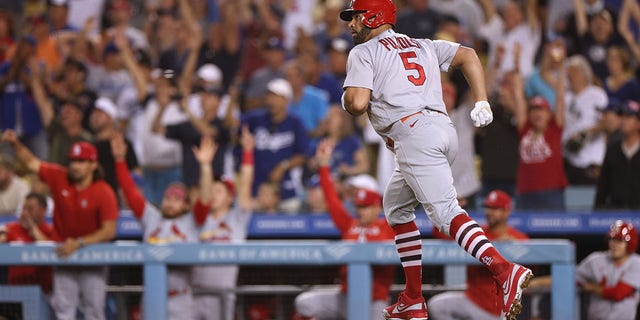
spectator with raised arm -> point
(223, 212)
(85, 213)
(509, 26)
(366, 226)
(65, 128)
(168, 223)
(541, 178)
(17, 100)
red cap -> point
(539, 102)
(176, 189)
(498, 199)
(83, 151)
(366, 197)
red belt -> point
(405, 118)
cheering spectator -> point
(110, 77)
(337, 53)
(72, 86)
(15, 81)
(512, 26)
(329, 27)
(546, 73)
(610, 122)
(365, 227)
(314, 196)
(619, 182)
(63, 130)
(86, 211)
(169, 223)
(12, 188)
(281, 144)
(221, 221)
(596, 34)
(480, 300)
(621, 84)
(161, 158)
(119, 13)
(268, 198)
(30, 227)
(103, 124)
(541, 179)
(582, 137)
(316, 76)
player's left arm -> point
(467, 60)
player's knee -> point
(436, 307)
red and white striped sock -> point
(473, 240)
(409, 246)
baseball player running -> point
(396, 80)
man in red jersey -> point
(367, 226)
(481, 300)
(85, 213)
(30, 227)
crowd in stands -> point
(126, 91)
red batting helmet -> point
(626, 232)
(375, 12)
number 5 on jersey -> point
(421, 78)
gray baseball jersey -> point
(230, 227)
(598, 267)
(405, 77)
(160, 230)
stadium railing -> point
(359, 258)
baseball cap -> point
(630, 108)
(209, 73)
(110, 48)
(539, 102)
(280, 87)
(83, 151)
(274, 43)
(363, 181)
(339, 45)
(105, 105)
(366, 198)
(498, 199)
(177, 190)
(58, 2)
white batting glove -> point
(481, 114)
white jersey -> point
(231, 227)
(598, 267)
(160, 230)
(405, 77)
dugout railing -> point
(559, 254)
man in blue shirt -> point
(281, 142)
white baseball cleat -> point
(406, 309)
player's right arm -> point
(23, 154)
